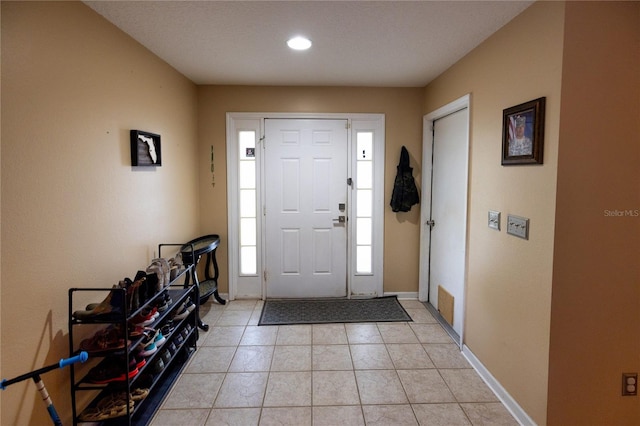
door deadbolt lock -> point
(340, 219)
(342, 206)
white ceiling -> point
(355, 43)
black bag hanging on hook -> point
(405, 193)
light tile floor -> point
(327, 374)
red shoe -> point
(110, 370)
(145, 318)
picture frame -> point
(523, 133)
(146, 149)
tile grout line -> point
(349, 343)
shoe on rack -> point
(146, 350)
(179, 339)
(165, 355)
(166, 269)
(138, 394)
(160, 266)
(104, 341)
(176, 266)
(146, 379)
(172, 348)
(111, 308)
(164, 302)
(119, 397)
(167, 329)
(146, 317)
(152, 285)
(156, 269)
(106, 410)
(157, 366)
(185, 333)
(135, 362)
(158, 338)
(135, 330)
(161, 304)
(133, 292)
(110, 370)
(168, 298)
(143, 290)
(147, 347)
(181, 312)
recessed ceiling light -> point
(299, 43)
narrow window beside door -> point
(248, 205)
(364, 201)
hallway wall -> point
(508, 298)
(74, 212)
(555, 319)
(595, 310)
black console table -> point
(191, 254)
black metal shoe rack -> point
(159, 384)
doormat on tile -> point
(322, 311)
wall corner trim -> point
(512, 406)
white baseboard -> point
(514, 408)
(403, 295)
(408, 295)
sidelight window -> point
(364, 201)
(248, 204)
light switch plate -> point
(518, 226)
(494, 220)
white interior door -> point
(305, 194)
(443, 245)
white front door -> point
(305, 195)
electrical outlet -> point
(494, 220)
(518, 226)
(629, 384)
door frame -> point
(425, 236)
(365, 285)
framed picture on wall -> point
(523, 133)
(145, 149)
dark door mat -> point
(321, 311)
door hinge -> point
(349, 181)
(264, 210)
(264, 275)
(430, 223)
(347, 125)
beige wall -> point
(74, 213)
(402, 109)
(595, 317)
(509, 279)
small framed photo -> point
(145, 149)
(523, 133)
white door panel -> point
(306, 180)
(448, 211)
